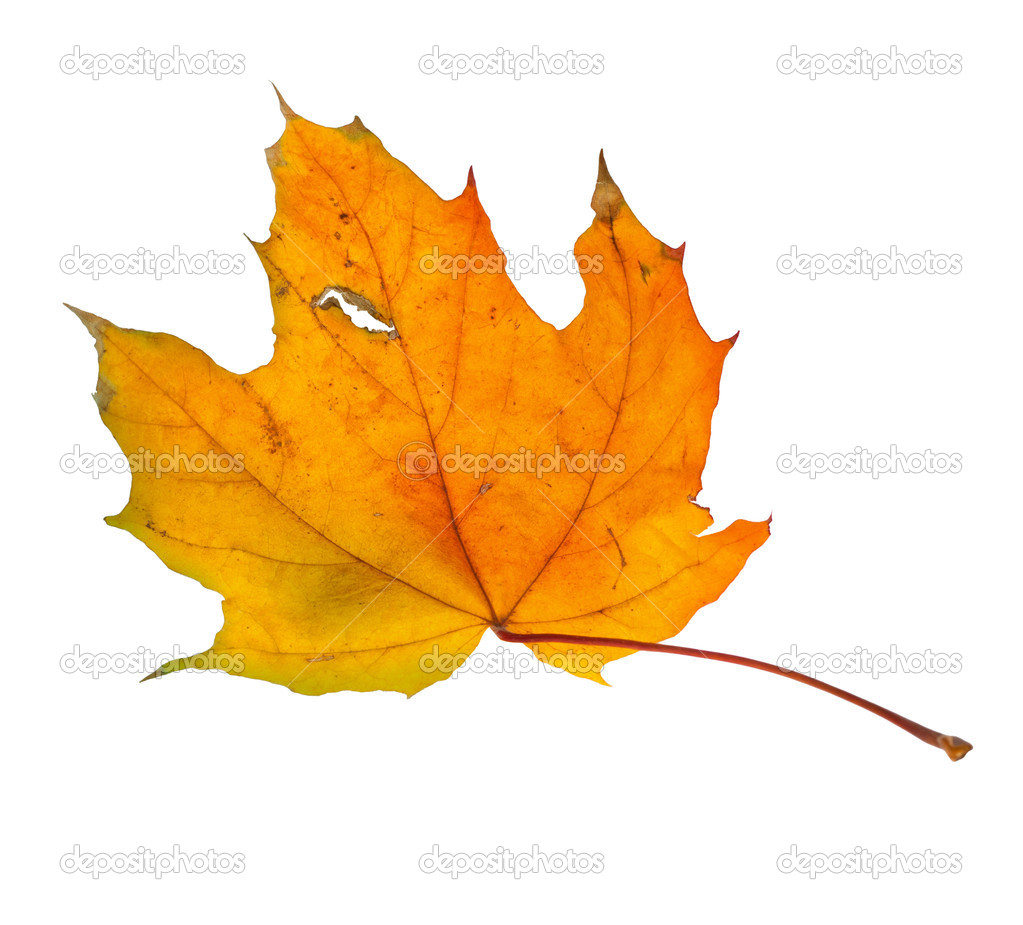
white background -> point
(690, 778)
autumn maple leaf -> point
(343, 510)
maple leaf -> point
(339, 572)
(351, 553)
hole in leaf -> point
(358, 308)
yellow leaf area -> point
(344, 560)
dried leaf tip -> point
(286, 110)
(93, 323)
(607, 198)
(355, 129)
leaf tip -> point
(470, 193)
(607, 197)
(94, 323)
(286, 110)
(177, 664)
(355, 129)
(676, 253)
(97, 327)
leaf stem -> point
(953, 746)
